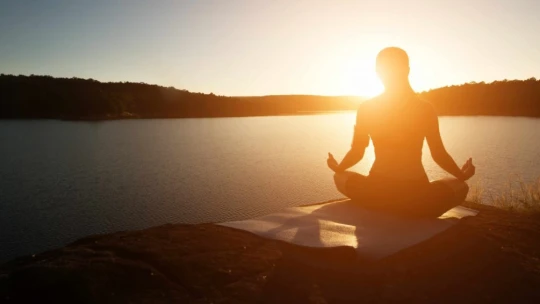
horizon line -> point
(265, 95)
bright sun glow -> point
(363, 80)
(366, 84)
(354, 77)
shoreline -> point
(302, 113)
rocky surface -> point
(493, 257)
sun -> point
(353, 76)
(367, 84)
(347, 76)
(361, 78)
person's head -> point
(393, 67)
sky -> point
(260, 47)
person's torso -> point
(397, 130)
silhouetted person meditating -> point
(397, 122)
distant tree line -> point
(74, 98)
(499, 98)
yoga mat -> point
(374, 235)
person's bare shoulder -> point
(428, 114)
(427, 107)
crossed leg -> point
(446, 194)
(342, 178)
(441, 196)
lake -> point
(64, 180)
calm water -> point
(60, 181)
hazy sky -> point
(252, 47)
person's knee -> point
(340, 179)
(459, 188)
(345, 178)
(462, 190)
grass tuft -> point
(517, 195)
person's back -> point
(397, 123)
(397, 130)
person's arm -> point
(356, 153)
(351, 158)
(438, 151)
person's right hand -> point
(468, 169)
(332, 162)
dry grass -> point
(517, 195)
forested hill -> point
(501, 98)
(73, 98)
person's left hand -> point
(332, 162)
(468, 169)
